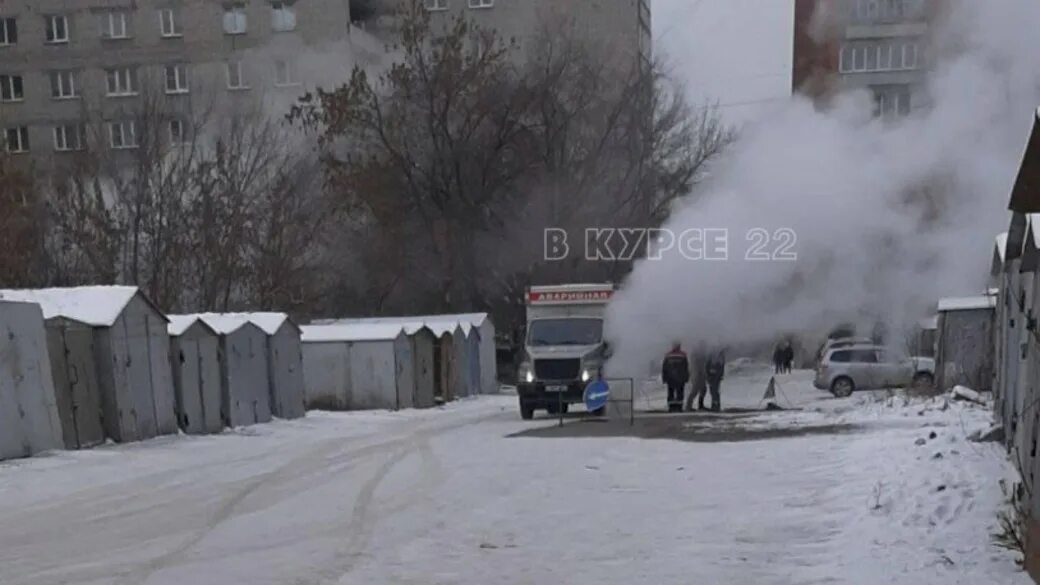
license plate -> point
(555, 388)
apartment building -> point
(620, 27)
(877, 45)
(70, 66)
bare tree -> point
(21, 229)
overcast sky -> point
(729, 51)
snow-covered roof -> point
(269, 322)
(967, 303)
(97, 306)
(438, 324)
(1001, 245)
(180, 323)
(224, 323)
(929, 323)
(350, 332)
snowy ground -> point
(472, 495)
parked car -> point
(841, 342)
(843, 370)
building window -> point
(235, 19)
(884, 56)
(68, 137)
(63, 85)
(176, 79)
(283, 17)
(434, 5)
(481, 3)
(886, 10)
(8, 31)
(892, 101)
(11, 88)
(57, 28)
(283, 74)
(122, 134)
(18, 139)
(235, 78)
(169, 23)
(122, 81)
(178, 132)
(114, 24)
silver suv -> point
(870, 367)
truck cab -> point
(563, 345)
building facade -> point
(623, 27)
(74, 72)
(881, 46)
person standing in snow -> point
(675, 373)
(778, 359)
(714, 370)
(788, 357)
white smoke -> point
(889, 216)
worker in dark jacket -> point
(715, 370)
(675, 373)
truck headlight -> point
(589, 374)
(526, 372)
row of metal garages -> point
(406, 362)
(1016, 339)
(80, 366)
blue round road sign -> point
(597, 394)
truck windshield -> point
(565, 332)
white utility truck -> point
(563, 345)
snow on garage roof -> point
(438, 324)
(350, 332)
(224, 323)
(97, 306)
(1001, 244)
(967, 303)
(180, 323)
(269, 322)
(929, 323)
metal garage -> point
(488, 361)
(76, 385)
(438, 323)
(423, 342)
(131, 349)
(285, 364)
(365, 366)
(29, 420)
(965, 349)
(195, 360)
(244, 385)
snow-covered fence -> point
(29, 420)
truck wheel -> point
(526, 411)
